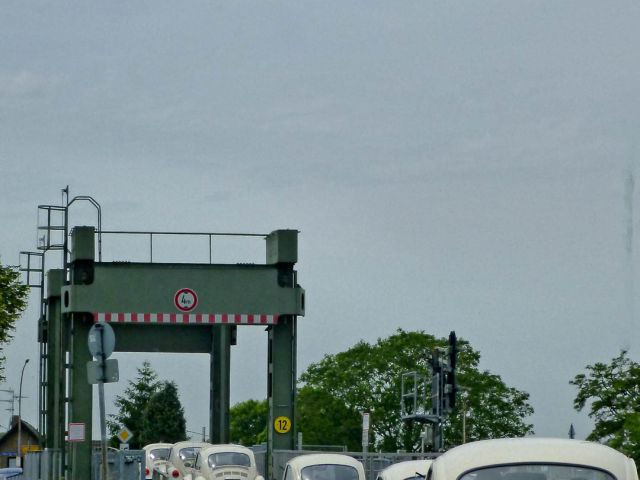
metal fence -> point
(373, 463)
(45, 465)
(129, 464)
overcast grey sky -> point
(450, 165)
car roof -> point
(152, 446)
(302, 461)
(225, 447)
(405, 469)
(187, 444)
(483, 453)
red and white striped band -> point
(187, 318)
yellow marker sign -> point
(282, 424)
(125, 435)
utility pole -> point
(19, 457)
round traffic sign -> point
(102, 340)
(185, 299)
(282, 424)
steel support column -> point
(220, 384)
(281, 389)
(56, 391)
(80, 405)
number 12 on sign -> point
(282, 424)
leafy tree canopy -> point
(367, 378)
(612, 393)
(325, 420)
(248, 422)
(13, 301)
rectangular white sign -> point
(76, 432)
(365, 421)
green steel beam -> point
(219, 393)
(55, 406)
(80, 405)
(151, 288)
(281, 390)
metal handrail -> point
(151, 234)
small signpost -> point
(101, 343)
(124, 436)
(365, 439)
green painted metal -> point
(220, 384)
(282, 387)
(150, 288)
(80, 404)
(55, 362)
(269, 289)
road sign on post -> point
(101, 343)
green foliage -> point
(13, 301)
(492, 409)
(138, 401)
(248, 422)
(367, 378)
(163, 419)
(326, 420)
(612, 391)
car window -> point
(188, 453)
(537, 472)
(329, 472)
(229, 458)
(159, 453)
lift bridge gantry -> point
(169, 307)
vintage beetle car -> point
(408, 470)
(155, 452)
(323, 466)
(181, 459)
(533, 458)
(224, 462)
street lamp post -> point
(19, 457)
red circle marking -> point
(185, 300)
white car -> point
(409, 470)
(155, 452)
(323, 466)
(181, 459)
(224, 462)
(533, 458)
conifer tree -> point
(133, 403)
(163, 419)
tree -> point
(133, 403)
(326, 420)
(163, 419)
(612, 391)
(248, 422)
(13, 301)
(367, 378)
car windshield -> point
(537, 472)
(159, 453)
(220, 459)
(329, 472)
